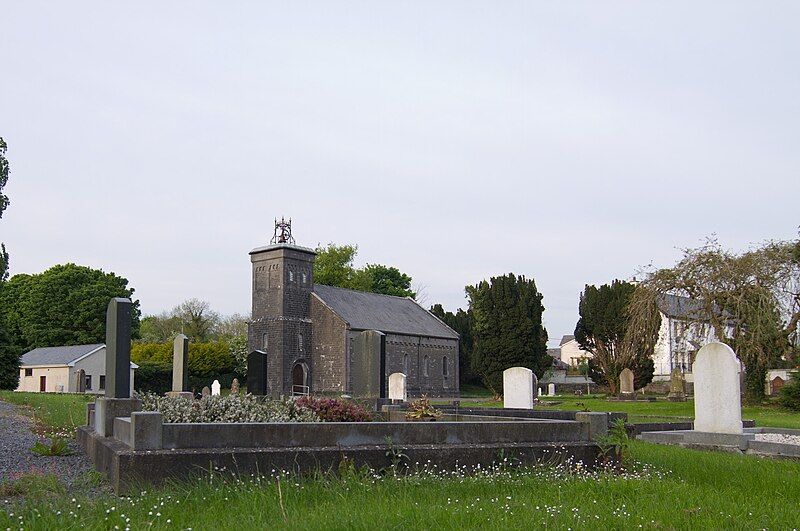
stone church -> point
(309, 338)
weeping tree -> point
(601, 330)
(750, 300)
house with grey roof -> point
(67, 369)
(329, 340)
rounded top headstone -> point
(717, 395)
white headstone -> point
(215, 387)
(519, 384)
(717, 398)
(397, 386)
(551, 389)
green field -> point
(661, 410)
(667, 488)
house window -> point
(445, 369)
(264, 341)
(102, 382)
(28, 372)
(425, 366)
(300, 342)
(88, 382)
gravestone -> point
(626, 389)
(717, 398)
(215, 388)
(180, 364)
(551, 389)
(117, 401)
(235, 386)
(81, 381)
(397, 387)
(206, 391)
(519, 388)
(677, 386)
(118, 348)
(257, 373)
(775, 385)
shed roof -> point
(373, 311)
(66, 355)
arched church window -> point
(291, 276)
(445, 368)
(425, 366)
(300, 342)
(264, 341)
(405, 364)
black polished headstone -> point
(257, 373)
(118, 348)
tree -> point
(461, 322)
(751, 301)
(601, 330)
(231, 326)
(507, 328)
(334, 267)
(197, 319)
(642, 366)
(65, 305)
(9, 355)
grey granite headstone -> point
(257, 373)
(118, 348)
(180, 363)
(367, 364)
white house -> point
(683, 331)
(571, 352)
(57, 369)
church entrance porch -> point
(300, 379)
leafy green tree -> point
(65, 305)
(507, 328)
(601, 329)
(334, 267)
(197, 319)
(461, 322)
(9, 354)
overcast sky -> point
(572, 143)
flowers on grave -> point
(231, 408)
(421, 409)
(335, 409)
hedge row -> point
(205, 359)
(157, 378)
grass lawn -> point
(661, 410)
(668, 487)
(53, 412)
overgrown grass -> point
(53, 412)
(669, 488)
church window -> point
(445, 368)
(305, 278)
(405, 364)
(425, 366)
(300, 342)
(264, 342)
(291, 276)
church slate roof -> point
(57, 355)
(386, 313)
(566, 339)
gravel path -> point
(16, 458)
(778, 438)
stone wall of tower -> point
(281, 324)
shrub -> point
(335, 409)
(789, 395)
(231, 408)
(154, 377)
(205, 359)
(422, 409)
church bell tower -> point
(281, 326)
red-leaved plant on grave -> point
(335, 409)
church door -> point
(299, 379)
